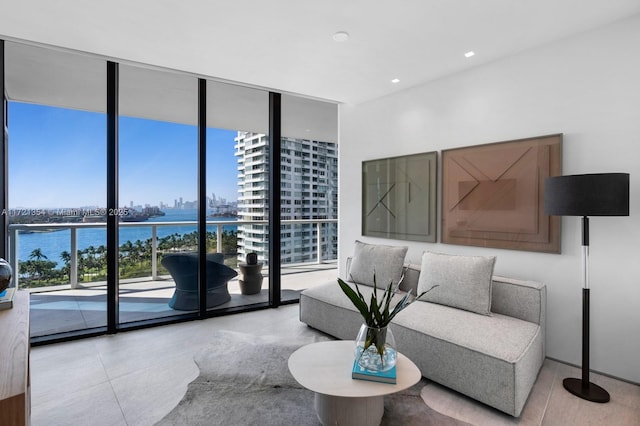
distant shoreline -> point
(52, 244)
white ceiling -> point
(287, 45)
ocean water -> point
(52, 244)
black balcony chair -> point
(183, 267)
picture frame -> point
(399, 197)
(493, 194)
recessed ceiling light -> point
(395, 80)
(469, 54)
(341, 36)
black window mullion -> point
(112, 198)
(4, 174)
(274, 199)
(202, 196)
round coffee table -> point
(325, 368)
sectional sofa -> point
(476, 333)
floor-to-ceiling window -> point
(186, 185)
(158, 181)
(57, 185)
(309, 205)
(237, 185)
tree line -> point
(134, 259)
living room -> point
(581, 84)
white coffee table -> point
(325, 368)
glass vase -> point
(375, 348)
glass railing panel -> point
(153, 279)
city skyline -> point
(177, 203)
(58, 159)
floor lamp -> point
(605, 194)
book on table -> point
(361, 373)
(6, 298)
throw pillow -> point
(385, 261)
(463, 282)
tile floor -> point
(137, 377)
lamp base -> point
(591, 392)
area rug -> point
(245, 380)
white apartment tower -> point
(309, 191)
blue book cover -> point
(6, 298)
(360, 373)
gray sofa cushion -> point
(385, 261)
(462, 282)
(494, 359)
(498, 336)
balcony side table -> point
(251, 278)
(325, 368)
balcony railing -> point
(15, 229)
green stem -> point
(377, 337)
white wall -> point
(586, 87)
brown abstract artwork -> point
(492, 195)
(399, 197)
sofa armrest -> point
(526, 300)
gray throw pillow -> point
(386, 261)
(463, 282)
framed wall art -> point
(493, 194)
(399, 197)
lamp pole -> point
(583, 388)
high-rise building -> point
(309, 190)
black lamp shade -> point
(598, 194)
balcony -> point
(78, 302)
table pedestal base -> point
(354, 411)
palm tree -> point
(126, 247)
(82, 264)
(139, 256)
(126, 255)
(38, 264)
(37, 254)
(101, 252)
(65, 256)
(91, 261)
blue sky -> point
(57, 158)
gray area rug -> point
(245, 380)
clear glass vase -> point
(375, 348)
